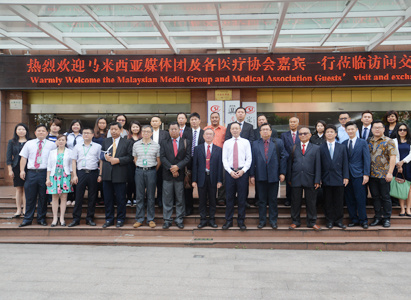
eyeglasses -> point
(303, 133)
(402, 129)
(87, 133)
(342, 119)
(379, 128)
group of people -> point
(129, 166)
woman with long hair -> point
(20, 137)
(59, 178)
(318, 137)
(391, 119)
(403, 146)
(134, 135)
(100, 130)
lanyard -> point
(146, 148)
(84, 151)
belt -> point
(88, 171)
(37, 170)
(236, 170)
(207, 173)
(145, 168)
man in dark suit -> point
(175, 154)
(194, 134)
(364, 129)
(116, 155)
(334, 177)
(159, 135)
(207, 177)
(290, 138)
(182, 121)
(247, 130)
(269, 166)
(262, 119)
(359, 163)
(304, 173)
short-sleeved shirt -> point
(381, 150)
(87, 157)
(146, 152)
(219, 137)
(29, 151)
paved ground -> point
(96, 272)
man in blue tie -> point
(365, 129)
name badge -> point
(144, 162)
(39, 160)
(84, 163)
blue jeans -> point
(145, 180)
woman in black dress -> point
(391, 119)
(20, 137)
(318, 137)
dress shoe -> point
(242, 226)
(408, 215)
(166, 225)
(54, 224)
(376, 222)
(227, 225)
(261, 225)
(386, 223)
(151, 224)
(212, 224)
(247, 205)
(315, 227)
(91, 223)
(108, 224)
(137, 224)
(42, 223)
(120, 224)
(74, 223)
(353, 224)
(293, 226)
(329, 225)
(23, 224)
(402, 215)
(180, 225)
(221, 203)
(364, 225)
(274, 225)
(202, 224)
(341, 225)
(287, 203)
(16, 216)
(63, 224)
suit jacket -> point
(359, 162)
(288, 140)
(188, 134)
(117, 173)
(199, 165)
(393, 133)
(333, 171)
(270, 170)
(257, 135)
(247, 132)
(168, 159)
(13, 153)
(304, 170)
(315, 139)
(163, 135)
(370, 134)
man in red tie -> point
(175, 154)
(237, 161)
(207, 177)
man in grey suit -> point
(304, 173)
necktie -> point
(235, 155)
(331, 150)
(175, 147)
(266, 150)
(208, 158)
(303, 149)
(38, 154)
(350, 147)
(293, 138)
(114, 148)
(181, 132)
(75, 141)
(365, 133)
(194, 142)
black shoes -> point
(202, 224)
(261, 225)
(54, 224)
(242, 226)
(166, 225)
(354, 224)
(42, 223)
(329, 225)
(74, 223)
(376, 222)
(227, 225)
(341, 225)
(274, 225)
(364, 225)
(108, 224)
(23, 224)
(386, 223)
(91, 223)
(180, 225)
(120, 224)
(212, 224)
(287, 203)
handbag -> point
(399, 187)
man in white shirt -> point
(35, 154)
(237, 159)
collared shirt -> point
(87, 157)
(353, 140)
(381, 150)
(71, 137)
(219, 135)
(306, 144)
(29, 151)
(331, 143)
(177, 140)
(146, 153)
(156, 135)
(206, 148)
(244, 154)
(368, 131)
(197, 136)
(343, 135)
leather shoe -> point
(74, 223)
(376, 222)
(261, 225)
(242, 226)
(221, 203)
(353, 224)
(120, 224)
(166, 225)
(386, 223)
(316, 227)
(91, 223)
(274, 226)
(202, 224)
(23, 224)
(341, 225)
(287, 203)
(42, 223)
(293, 226)
(108, 224)
(364, 225)
(247, 205)
(180, 225)
(212, 224)
(227, 225)
(329, 225)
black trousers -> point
(35, 185)
(207, 192)
(160, 185)
(310, 202)
(380, 192)
(334, 204)
(268, 192)
(188, 195)
(131, 184)
(119, 189)
(86, 180)
(237, 186)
